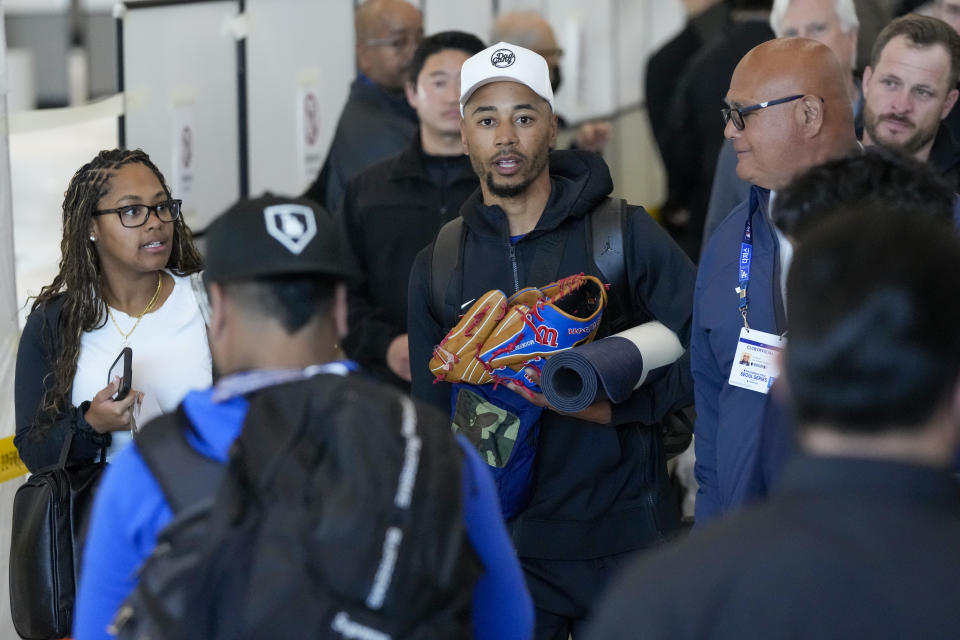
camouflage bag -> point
(503, 427)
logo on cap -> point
(503, 58)
(293, 225)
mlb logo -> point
(293, 225)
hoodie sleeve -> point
(662, 279)
(424, 333)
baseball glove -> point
(498, 338)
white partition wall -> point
(8, 340)
(297, 84)
(474, 17)
(180, 83)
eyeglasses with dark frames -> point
(136, 215)
(404, 41)
(736, 113)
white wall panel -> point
(474, 17)
(293, 45)
(180, 67)
(585, 32)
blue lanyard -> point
(744, 262)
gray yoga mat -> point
(611, 367)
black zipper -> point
(513, 263)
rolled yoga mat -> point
(614, 366)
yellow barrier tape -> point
(11, 466)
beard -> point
(508, 190)
(534, 166)
(921, 135)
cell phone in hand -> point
(122, 367)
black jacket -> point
(945, 152)
(392, 211)
(40, 445)
(695, 129)
(599, 489)
(374, 125)
(669, 63)
(846, 548)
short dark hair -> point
(876, 177)
(293, 300)
(922, 31)
(874, 301)
(460, 40)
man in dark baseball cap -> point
(275, 293)
(274, 236)
(275, 277)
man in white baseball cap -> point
(505, 62)
(600, 488)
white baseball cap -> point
(505, 62)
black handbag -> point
(50, 514)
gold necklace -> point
(147, 308)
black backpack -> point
(339, 515)
(605, 243)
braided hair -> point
(80, 280)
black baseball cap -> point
(273, 236)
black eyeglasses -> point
(136, 215)
(736, 113)
(404, 41)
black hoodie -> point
(599, 489)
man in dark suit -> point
(860, 539)
(694, 136)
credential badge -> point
(293, 225)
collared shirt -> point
(786, 249)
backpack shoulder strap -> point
(606, 232)
(606, 225)
(443, 263)
(185, 476)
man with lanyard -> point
(909, 93)
(832, 22)
(788, 110)
(600, 488)
(277, 310)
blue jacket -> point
(729, 418)
(130, 510)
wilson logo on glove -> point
(545, 335)
(497, 338)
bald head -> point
(530, 30)
(372, 15)
(387, 33)
(781, 140)
(797, 65)
(524, 28)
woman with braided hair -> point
(126, 255)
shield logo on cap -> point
(293, 225)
